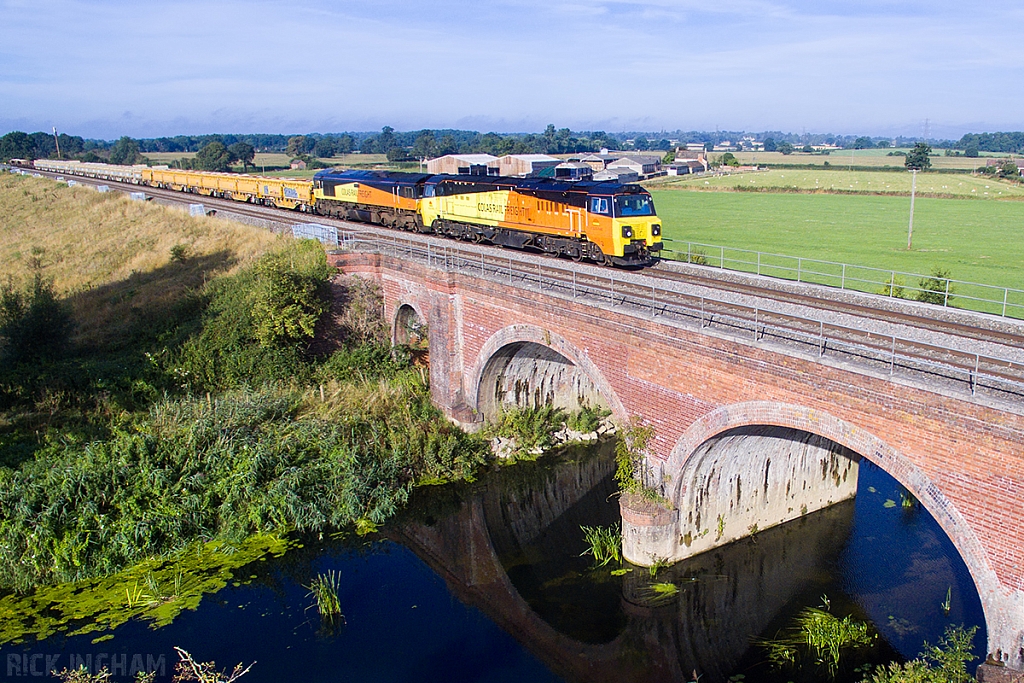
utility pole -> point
(56, 141)
(913, 188)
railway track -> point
(725, 307)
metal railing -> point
(890, 355)
(1001, 301)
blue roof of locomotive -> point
(528, 184)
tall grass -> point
(221, 424)
(112, 257)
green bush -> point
(34, 324)
(258, 324)
(942, 663)
(936, 289)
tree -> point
(785, 148)
(883, 144)
(917, 158)
(242, 151)
(770, 145)
(213, 157)
(729, 159)
(863, 143)
(125, 152)
(344, 145)
(325, 147)
(386, 140)
(971, 150)
(807, 148)
(425, 145)
(1009, 170)
(16, 145)
(448, 145)
(296, 146)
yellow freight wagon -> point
(279, 192)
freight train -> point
(602, 222)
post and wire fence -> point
(936, 288)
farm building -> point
(464, 164)
(298, 165)
(686, 166)
(574, 170)
(642, 165)
(599, 162)
(524, 165)
(617, 175)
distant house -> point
(298, 165)
(642, 165)
(464, 164)
(524, 165)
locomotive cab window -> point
(633, 205)
(600, 205)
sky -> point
(107, 68)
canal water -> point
(487, 582)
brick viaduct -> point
(961, 458)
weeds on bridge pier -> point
(631, 453)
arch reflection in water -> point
(513, 549)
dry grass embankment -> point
(112, 257)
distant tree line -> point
(426, 143)
(972, 143)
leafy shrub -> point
(936, 289)
(258, 324)
(34, 324)
(586, 419)
(530, 428)
(942, 663)
(893, 287)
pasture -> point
(868, 182)
(857, 157)
(976, 241)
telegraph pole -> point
(56, 141)
(913, 188)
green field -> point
(885, 182)
(977, 241)
(856, 157)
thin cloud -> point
(615, 65)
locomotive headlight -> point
(627, 231)
(656, 229)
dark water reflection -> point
(486, 582)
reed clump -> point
(604, 544)
(324, 590)
(817, 638)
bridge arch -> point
(532, 366)
(409, 326)
(999, 613)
